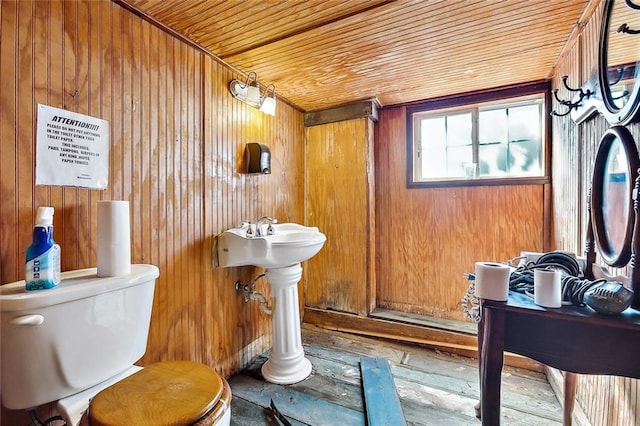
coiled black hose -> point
(573, 285)
(558, 260)
(574, 288)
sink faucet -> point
(263, 220)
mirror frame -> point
(614, 256)
(614, 115)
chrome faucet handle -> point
(249, 233)
(270, 229)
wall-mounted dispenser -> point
(257, 158)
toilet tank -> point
(57, 342)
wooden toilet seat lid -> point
(165, 393)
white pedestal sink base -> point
(289, 375)
(286, 364)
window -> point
(479, 139)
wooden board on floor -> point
(293, 404)
(437, 383)
(380, 396)
(245, 413)
(434, 388)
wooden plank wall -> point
(568, 176)
(339, 180)
(428, 238)
(606, 400)
(177, 140)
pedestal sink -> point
(280, 253)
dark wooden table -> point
(575, 340)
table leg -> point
(570, 385)
(480, 341)
(491, 362)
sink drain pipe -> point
(251, 294)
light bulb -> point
(268, 105)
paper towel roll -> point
(492, 281)
(547, 288)
(114, 239)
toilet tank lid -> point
(73, 285)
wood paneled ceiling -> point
(325, 53)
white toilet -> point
(76, 344)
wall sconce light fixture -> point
(269, 101)
(249, 93)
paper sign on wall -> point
(71, 149)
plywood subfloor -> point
(434, 388)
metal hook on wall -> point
(582, 94)
(632, 5)
(620, 72)
(624, 28)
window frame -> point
(480, 99)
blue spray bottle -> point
(42, 269)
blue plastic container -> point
(42, 270)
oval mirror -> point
(614, 175)
(618, 58)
